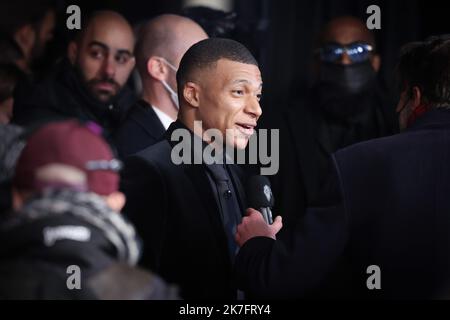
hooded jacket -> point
(71, 245)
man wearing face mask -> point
(162, 42)
(344, 106)
(345, 86)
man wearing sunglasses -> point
(344, 106)
(346, 65)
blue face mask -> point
(173, 94)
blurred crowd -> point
(86, 177)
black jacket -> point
(391, 209)
(140, 129)
(306, 145)
(59, 229)
(11, 144)
(176, 214)
(61, 96)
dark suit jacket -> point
(392, 210)
(141, 129)
(176, 214)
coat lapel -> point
(144, 115)
(196, 173)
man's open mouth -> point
(246, 128)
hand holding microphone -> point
(255, 223)
(260, 197)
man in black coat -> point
(90, 84)
(346, 105)
(387, 223)
(185, 208)
(161, 43)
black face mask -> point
(343, 89)
(350, 79)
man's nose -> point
(345, 59)
(109, 67)
(254, 108)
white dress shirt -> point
(163, 117)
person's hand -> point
(253, 225)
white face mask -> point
(173, 94)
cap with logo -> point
(77, 147)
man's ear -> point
(17, 199)
(191, 93)
(72, 52)
(416, 98)
(409, 98)
(116, 201)
(376, 62)
(156, 69)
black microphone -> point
(260, 197)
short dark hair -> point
(426, 65)
(206, 53)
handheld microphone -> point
(260, 197)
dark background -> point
(281, 33)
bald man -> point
(90, 84)
(161, 44)
(344, 106)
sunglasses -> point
(357, 52)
